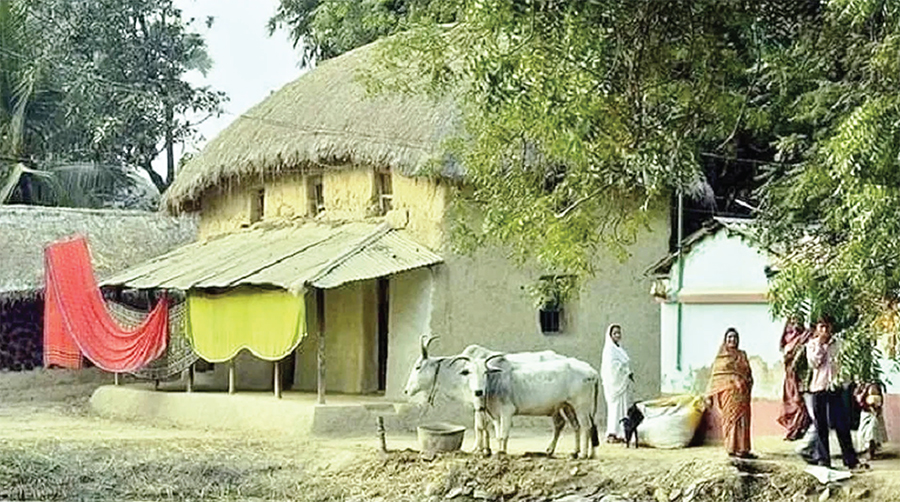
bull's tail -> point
(595, 438)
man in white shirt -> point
(829, 409)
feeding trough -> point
(440, 437)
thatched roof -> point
(324, 118)
(118, 239)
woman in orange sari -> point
(729, 388)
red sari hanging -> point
(76, 321)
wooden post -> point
(320, 355)
(231, 376)
(381, 434)
(115, 379)
(277, 382)
(189, 385)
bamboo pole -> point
(277, 383)
(231, 376)
(189, 385)
(320, 354)
(115, 379)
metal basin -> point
(440, 437)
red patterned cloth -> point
(76, 321)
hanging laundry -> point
(76, 320)
(179, 354)
(270, 323)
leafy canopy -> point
(96, 82)
(581, 116)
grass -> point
(87, 471)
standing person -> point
(615, 372)
(794, 417)
(729, 388)
(829, 409)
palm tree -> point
(29, 118)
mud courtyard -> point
(54, 447)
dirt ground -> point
(53, 448)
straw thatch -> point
(118, 239)
(324, 118)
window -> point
(316, 195)
(384, 190)
(258, 205)
(551, 293)
(549, 320)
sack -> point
(670, 422)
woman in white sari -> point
(615, 372)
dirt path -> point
(53, 448)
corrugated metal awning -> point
(291, 257)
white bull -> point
(432, 373)
(503, 387)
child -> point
(871, 433)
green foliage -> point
(324, 29)
(581, 118)
(833, 211)
(93, 83)
(553, 291)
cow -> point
(502, 387)
(431, 373)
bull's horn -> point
(489, 359)
(425, 342)
(459, 358)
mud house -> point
(119, 239)
(342, 200)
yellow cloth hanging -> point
(268, 323)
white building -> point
(721, 282)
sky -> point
(248, 64)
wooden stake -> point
(231, 376)
(320, 355)
(381, 437)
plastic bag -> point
(670, 422)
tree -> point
(580, 116)
(324, 29)
(126, 91)
(832, 203)
(116, 95)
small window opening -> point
(258, 205)
(385, 190)
(552, 292)
(316, 195)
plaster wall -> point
(348, 193)
(419, 205)
(703, 328)
(287, 197)
(222, 212)
(480, 299)
(723, 262)
(411, 295)
(349, 342)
